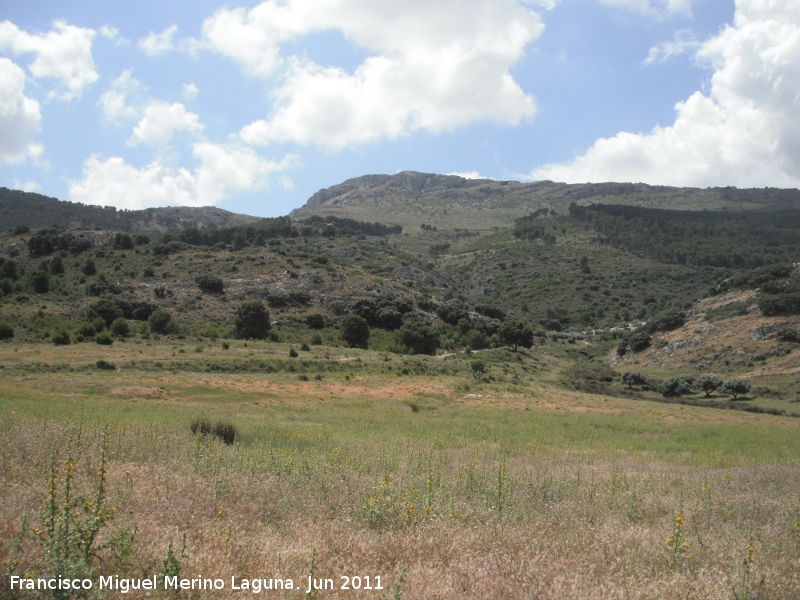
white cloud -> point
(223, 169)
(107, 31)
(469, 175)
(161, 121)
(432, 66)
(653, 8)
(744, 132)
(26, 186)
(19, 116)
(189, 91)
(63, 53)
(682, 41)
(114, 102)
(158, 43)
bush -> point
(477, 368)
(61, 338)
(40, 282)
(103, 338)
(89, 268)
(105, 365)
(292, 353)
(105, 309)
(8, 270)
(252, 320)
(515, 334)
(120, 328)
(6, 331)
(201, 425)
(315, 321)
(665, 321)
(304, 347)
(161, 322)
(316, 340)
(639, 341)
(56, 265)
(225, 431)
(355, 331)
(210, 283)
(419, 338)
(787, 334)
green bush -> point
(106, 309)
(61, 338)
(6, 331)
(105, 365)
(103, 338)
(210, 283)
(252, 320)
(355, 331)
(419, 338)
(161, 322)
(120, 328)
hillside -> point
(447, 202)
(26, 209)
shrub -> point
(666, 321)
(787, 334)
(103, 338)
(315, 321)
(8, 270)
(61, 338)
(225, 431)
(161, 322)
(477, 368)
(639, 341)
(40, 282)
(355, 331)
(105, 309)
(6, 331)
(89, 268)
(304, 347)
(292, 353)
(201, 425)
(252, 320)
(210, 283)
(316, 340)
(105, 365)
(120, 328)
(419, 338)
(515, 334)
(56, 265)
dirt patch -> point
(135, 391)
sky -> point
(254, 106)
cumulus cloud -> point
(682, 41)
(63, 53)
(745, 131)
(159, 43)
(189, 91)
(115, 104)
(20, 117)
(653, 8)
(469, 175)
(432, 66)
(223, 169)
(161, 121)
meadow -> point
(359, 463)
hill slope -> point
(410, 199)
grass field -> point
(358, 463)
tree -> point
(252, 320)
(355, 331)
(709, 383)
(632, 379)
(6, 331)
(61, 338)
(9, 269)
(420, 338)
(516, 333)
(160, 321)
(639, 341)
(56, 265)
(677, 386)
(735, 387)
(477, 368)
(315, 321)
(239, 240)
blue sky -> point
(254, 106)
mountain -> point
(411, 199)
(35, 210)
